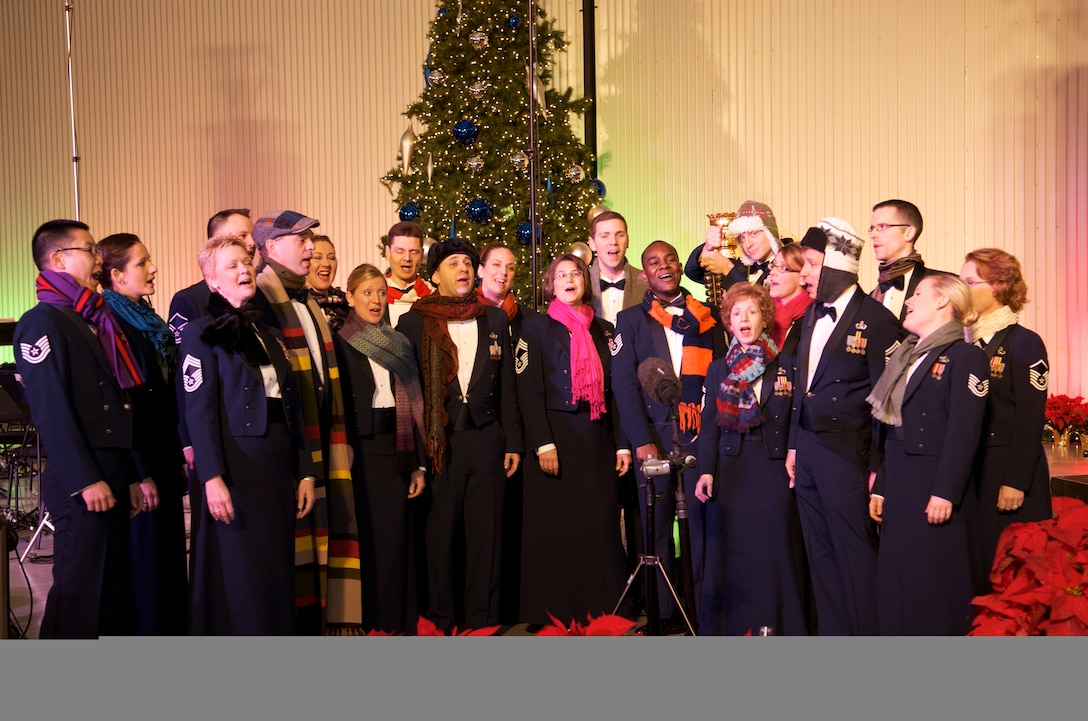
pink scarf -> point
(586, 371)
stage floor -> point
(30, 581)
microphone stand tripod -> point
(648, 560)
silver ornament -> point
(520, 160)
(407, 144)
(475, 163)
(478, 39)
(575, 174)
(437, 76)
(430, 167)
(477, 89)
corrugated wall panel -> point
(975, 110)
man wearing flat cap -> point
(285, 241)
(845, 338)
(474, 431)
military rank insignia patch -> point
(521, 356)
(615, 344)
(192, 373)
(177, 324)
(1039, 375)
(978, 386)
(35, 352)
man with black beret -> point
(474, 433)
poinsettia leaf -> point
(485, 631)
(992, 625)
(552, 631)
(609, 625)
(426, 627)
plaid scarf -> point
(392, 351)
(334, 303)
(141, 316)
(64, 291)
(586, 370)
(736, 401)
(440, 363)
(326, 540)
(890, 270)
(509, 303)
(698, 351)
(394, 294)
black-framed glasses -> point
(92, 249)
(881, 227)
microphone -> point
(657, 378)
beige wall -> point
(976, 110)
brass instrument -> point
(728, 248)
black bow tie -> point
(678, 302)
(618, 285)
(823, 309)
(302, 295)
(763, 267)
(896, 282)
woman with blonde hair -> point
(930, 401)
(1011, 478)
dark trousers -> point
(832, 483)
(91, 594)
(464, 530)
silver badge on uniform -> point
(192, 373)
(37, 352)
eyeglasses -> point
(563, 274)
(881, 227)
(971, 282)
(783, 268)
(92, 249)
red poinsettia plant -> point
(604, 625)
(1040, 577)
(426, 627)
(1063, 411)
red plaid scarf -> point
(420, 286)
(736, 400)
(62, 290)
(694, 325)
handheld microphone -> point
(657, 378)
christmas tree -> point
(465, 157)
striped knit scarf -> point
(736, 400)
(890, 270)
(326, 540)
(694, 325)
(420, 286)
(62, 290)
(440, 362)
(393, 351)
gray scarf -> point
(887, 396)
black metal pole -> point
(677, 463)
(72, 102)
(589, 77)
(529, 86)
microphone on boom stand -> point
(660, 383)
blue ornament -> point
(479, 210)
(453, 228)
(442, 11)
(598, 186)
(514, 22)
(466, 132)
(525, 233)
(409, 211)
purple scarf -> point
(62, 290)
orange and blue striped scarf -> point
(694, 325)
